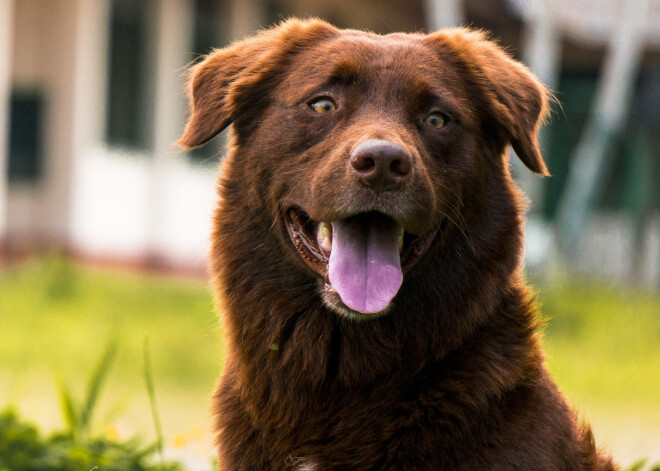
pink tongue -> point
(364, 265)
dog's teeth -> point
(401, 237)
(324, 237)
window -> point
(128, 122)
(210, 26)
(576, 91)
(622, 186)
(210, 32)
(25, 136)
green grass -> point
(56, 320)
(603, 348)
(604, 343)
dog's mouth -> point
(362, 258)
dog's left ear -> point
(509, 95)
(235, 81)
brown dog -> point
(367, 255)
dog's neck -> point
(338, 367)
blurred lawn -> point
(56, 319)
(602, 345)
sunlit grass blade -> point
(151, 390)
(68, 409)
(95, 384)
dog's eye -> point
(323, 105)
(436, 120)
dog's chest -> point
(301, 464)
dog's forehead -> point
(355, 55)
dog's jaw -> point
(333, 301)
(328, 249)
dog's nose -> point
(381, 165)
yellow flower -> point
(179, 441)
(113, 433)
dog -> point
(367, 255)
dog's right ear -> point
(513, 100)
(216, 84)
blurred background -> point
(104, 225)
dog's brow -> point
(436, 97)
(341, 74)
(345, 71)
(448, 102)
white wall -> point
(6, 20)
(180, 194)
(44, 42)
(126, 204)
(113, 208)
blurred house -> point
(91, 99)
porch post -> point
(443, 14)
(542, 54)
(6, 44)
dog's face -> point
(366, 150)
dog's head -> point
(367, 150)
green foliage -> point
(641, 466)
(19, 443)
(22, 448)
(78, 417)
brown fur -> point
(452, 376)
